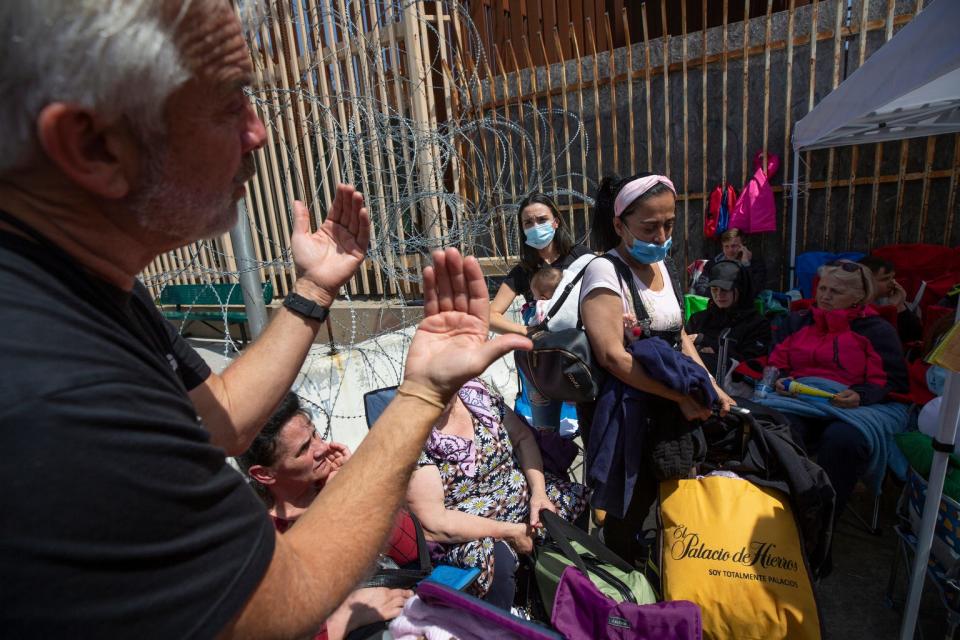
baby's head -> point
(544, 282)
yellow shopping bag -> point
(733, 548)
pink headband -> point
(636, 188)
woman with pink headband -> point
(633, 223)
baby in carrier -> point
(546, 288)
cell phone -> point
(740, 255)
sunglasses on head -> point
(850, 267)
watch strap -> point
(305, 307)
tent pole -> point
(949, 416)
(794, 194)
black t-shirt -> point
(519, 278)
(119, 518)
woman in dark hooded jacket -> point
(730, 313)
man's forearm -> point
(335, 542)
(248, 390)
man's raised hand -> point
(451, 345)
(330, 256)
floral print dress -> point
(482, 477)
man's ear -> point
(102, 158)
(263, 475)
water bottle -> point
(765, 386)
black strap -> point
(566, 293)
(943, 447)
(626, 276)
(562, 533)
(423, 553)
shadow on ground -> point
(853, 598)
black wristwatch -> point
(304, 307)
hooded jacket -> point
(749, 331)
(855, 347)
(634, 433)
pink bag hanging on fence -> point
(755, 210)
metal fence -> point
(444, 135)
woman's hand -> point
(537, 502)
(725, 400)
(846, 399)
(336, 455)
(522, 539)
(781, 388)
(692, 409)
(366, 606)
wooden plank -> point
(535, 115)
(391, 154)
(811, 93)
(368, 179)
(521, 120)
(550, 116)
(517, 15)
(598, 139)
(549, 12)
(620, 28)
(878, 148)
(492, 86)
(629, 80)
(558, 48)
(686, 140)
(585, 141)
(509, 152)
(925, 198)
(665, 41)
(952, 192)
(647, 97)
(611, 72)
(723, 102)
(563, 21)
(704, 141)
(534, 26)
(745, 98)
(281, 189)
(404, 108)
(787, 128)
(831, 153)
(855, 151)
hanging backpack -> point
(717, 217)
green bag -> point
(693, 304)
(567, 545)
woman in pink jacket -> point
(841, 339)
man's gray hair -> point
(114, 57)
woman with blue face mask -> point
(633, 222)
(544, 241)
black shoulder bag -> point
(560, 365)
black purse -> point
(560, 365)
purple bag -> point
(471, 611)
(582, 612)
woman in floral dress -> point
(480, 487)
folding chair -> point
(944, 564)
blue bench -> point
(205, 303)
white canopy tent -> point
(908, 88)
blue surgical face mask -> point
(648, 252)
(936, 379)
(540, 236)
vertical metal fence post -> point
(248, 272)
